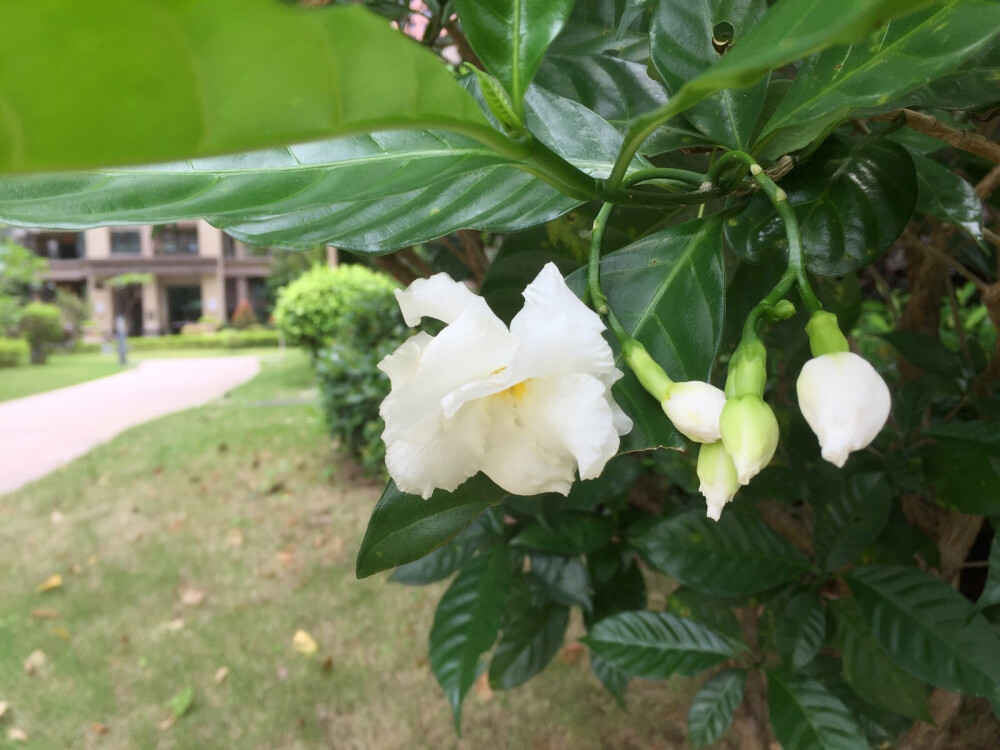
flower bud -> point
(845, 401)
(825, 336)
(718, 477)
(694, 408)
(651, 376)
(749, 434)
(747, 370)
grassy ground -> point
(192, 549)
(62, 370)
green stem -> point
(576, 183)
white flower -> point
(845, 401)
(527, 406)
(694, 408)
(749, 433)
(717, 473)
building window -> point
(58, 245)
(228, 246)
(125, 243)
(173, 240)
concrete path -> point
(38, 434)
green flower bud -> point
(749, 434)
(650, 375)
(747, 370)
(824, 334)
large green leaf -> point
(713, 706)
(668, 292)
(946, 196)
(871, 671)
(965, 474)
(852, 200)
(929, 629)
(790, 30)
(869, 77)
(404, 528)
(737, 555)
(563, 580)
(448, 558)
(466, 624)
(801, 630)
(625, 591)
(510, 37)
(531, 637)
(975, 85)
(683, 44)
(595, 28)
(614, 680)
(566, 534)
(159, 80)
(849, 517)
(807, 716)
(712, 611)
(655, 645)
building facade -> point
(191, 272)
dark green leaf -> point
(595, 29)
(929, 629)
(871, 672)
(668, 292)
(801, 630)
(446, 559)
(926, 353)
(991, 591)
(852, 201)
(901, 544)
(563, 580)
(137, 83)
(614, 680)
(983, 433)
(683, 46)
(618, 476)
(739, 554)
(807, 716)
(617, 90)
(965, 474)
(404, 528)
(466, 624)
(510, 37)
(623, 592)
(566, 534)
(975, 85)
(713, 705)
(870, 77)
(708, 610)
(531, 638)
(655, 645)
(849, 517)
(946, 196)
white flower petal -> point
(452, 454)
(401, 364)
(694, 408)
(439, 297)
(559, 334)
(845, 401)
(717, 473)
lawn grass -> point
(244, 500)
(63, 370)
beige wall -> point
(213, 297)
(209, 240)
(153, 312)
(100, 302)
(98, 242)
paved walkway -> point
(38, 434)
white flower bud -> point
(717, 473)
(694, 408)
(845, 401)
(750, 434)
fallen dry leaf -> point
(303, 643)
(167, 723)
(328, 665)
(91, 560)
(234, 538)
(221, 674)
(192, 597)
(284, 557)
(54, 581)
(40, 613)
(17, 735)
(36, 662)
(571, 653)
(99, 728)
(483, 690)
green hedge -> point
(226, 339)
(13, 352)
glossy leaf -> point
(404, 528)
(712, 707)
(871, 672)
(801, 630)
(371, 193)
(613, 485)
(975, 85)
(991, 591)
(147, 82)
(871, 76)
(563, 580)
(566, 534)
(446, 559)
(668, 292)
(656, 645)
(929, 629)
(682, 40)
(466, 624)
(614, 680)
(623, 592)
(927, 353)
(708, 610)
(849, 517)
(531, 638)
(737, 555)
(964, 473)
(510, 37)
(946, 196)
(595, 29)
(807, 716)
(852, 201)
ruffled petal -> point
(400, 365)
(452, 454)
(439, 297)
(559, 334)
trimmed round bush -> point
(42, 325)
(13, 352)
